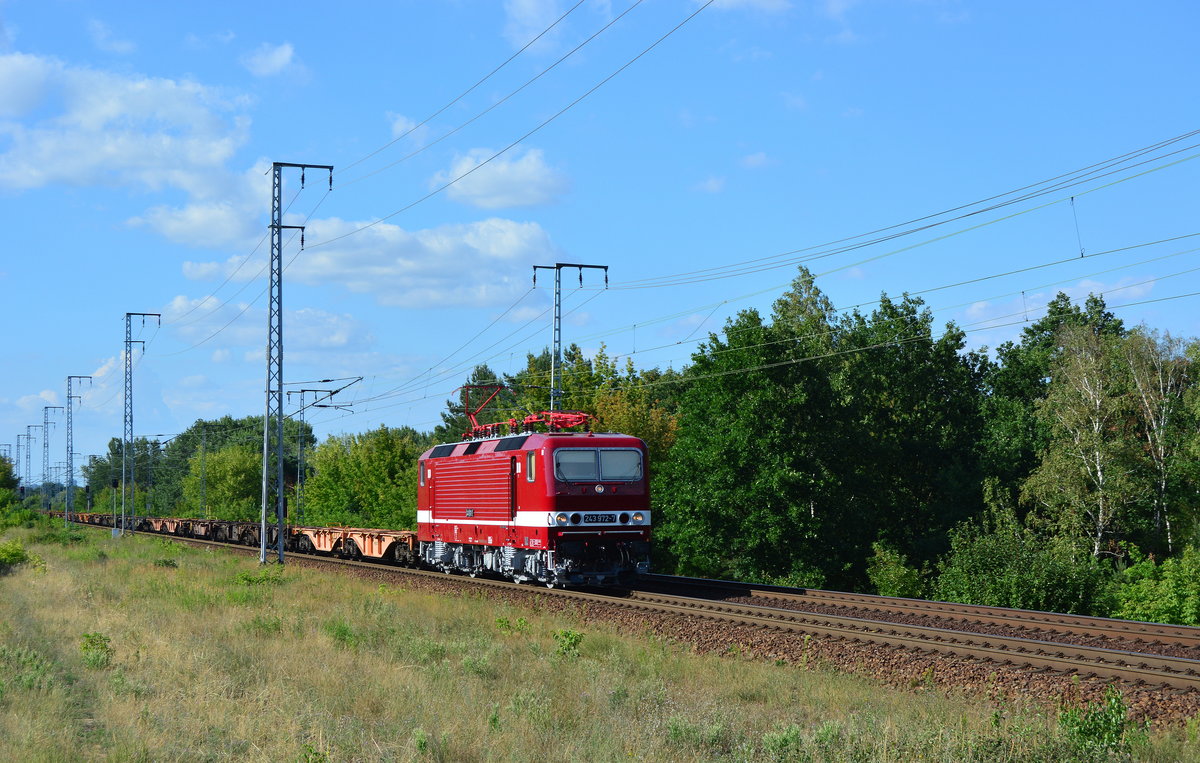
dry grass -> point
(215, 659)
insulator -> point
(302, 177)
(301, 240)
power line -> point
(495, 105)
(510, 146)
(1059, 182)
(456, 99)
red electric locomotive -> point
(560, 508)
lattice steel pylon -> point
(556, 333)
(17, 459)
(46, 422)
(127, 468)
(70, 508)
(274, 390)
(29, 449)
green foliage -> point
(891, 575)
(267, 575)
(12, 553)
(166, 563)
(25, 668)
(1087, 481)
(995, 561)
(1163, 593)
(8, 479)
(342, 632)
(1102, 730)
(55, 533)
(97, 651)
(17, 516)
(367, 480)
(163, 470)
(227, 483)
(805, 439)
(568, 642)
(505, 626)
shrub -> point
(1164, 593)
(25, 668)
(568, 642)
(890, 574)
(271, 574)
(998, 562)
(1102, 729)
(12, 553)
(97, 650)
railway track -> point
(1125, 635)
(1133, 667)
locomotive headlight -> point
(561, 518)
(638, 518)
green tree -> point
(910, 423)
(228, 481)
(747, 489)
(1013, 435)
(1159, 374)
(1087, 481)
(8, 482)
(367, 480)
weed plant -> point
(107, 655)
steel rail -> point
(1022, 619)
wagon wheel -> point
(350, 550)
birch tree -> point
(1158, 375)
(1086, 481)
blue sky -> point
(135, 140)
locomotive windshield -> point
(598, 465)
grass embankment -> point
(143, 649)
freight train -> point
(558, 508)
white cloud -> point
(845, 37)
(268, 60)
(794, 101)
(480, 263)
(110, 129)
(766, 6)
(525, 19)
(196, 42)
(525, 314)
(837, 9)
(502, 182)
(222, 213)
(755, 160)
(711, 184)
(35, 402)
(220, 356)
(103, 39)
(403, 127)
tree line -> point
(866, 451)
